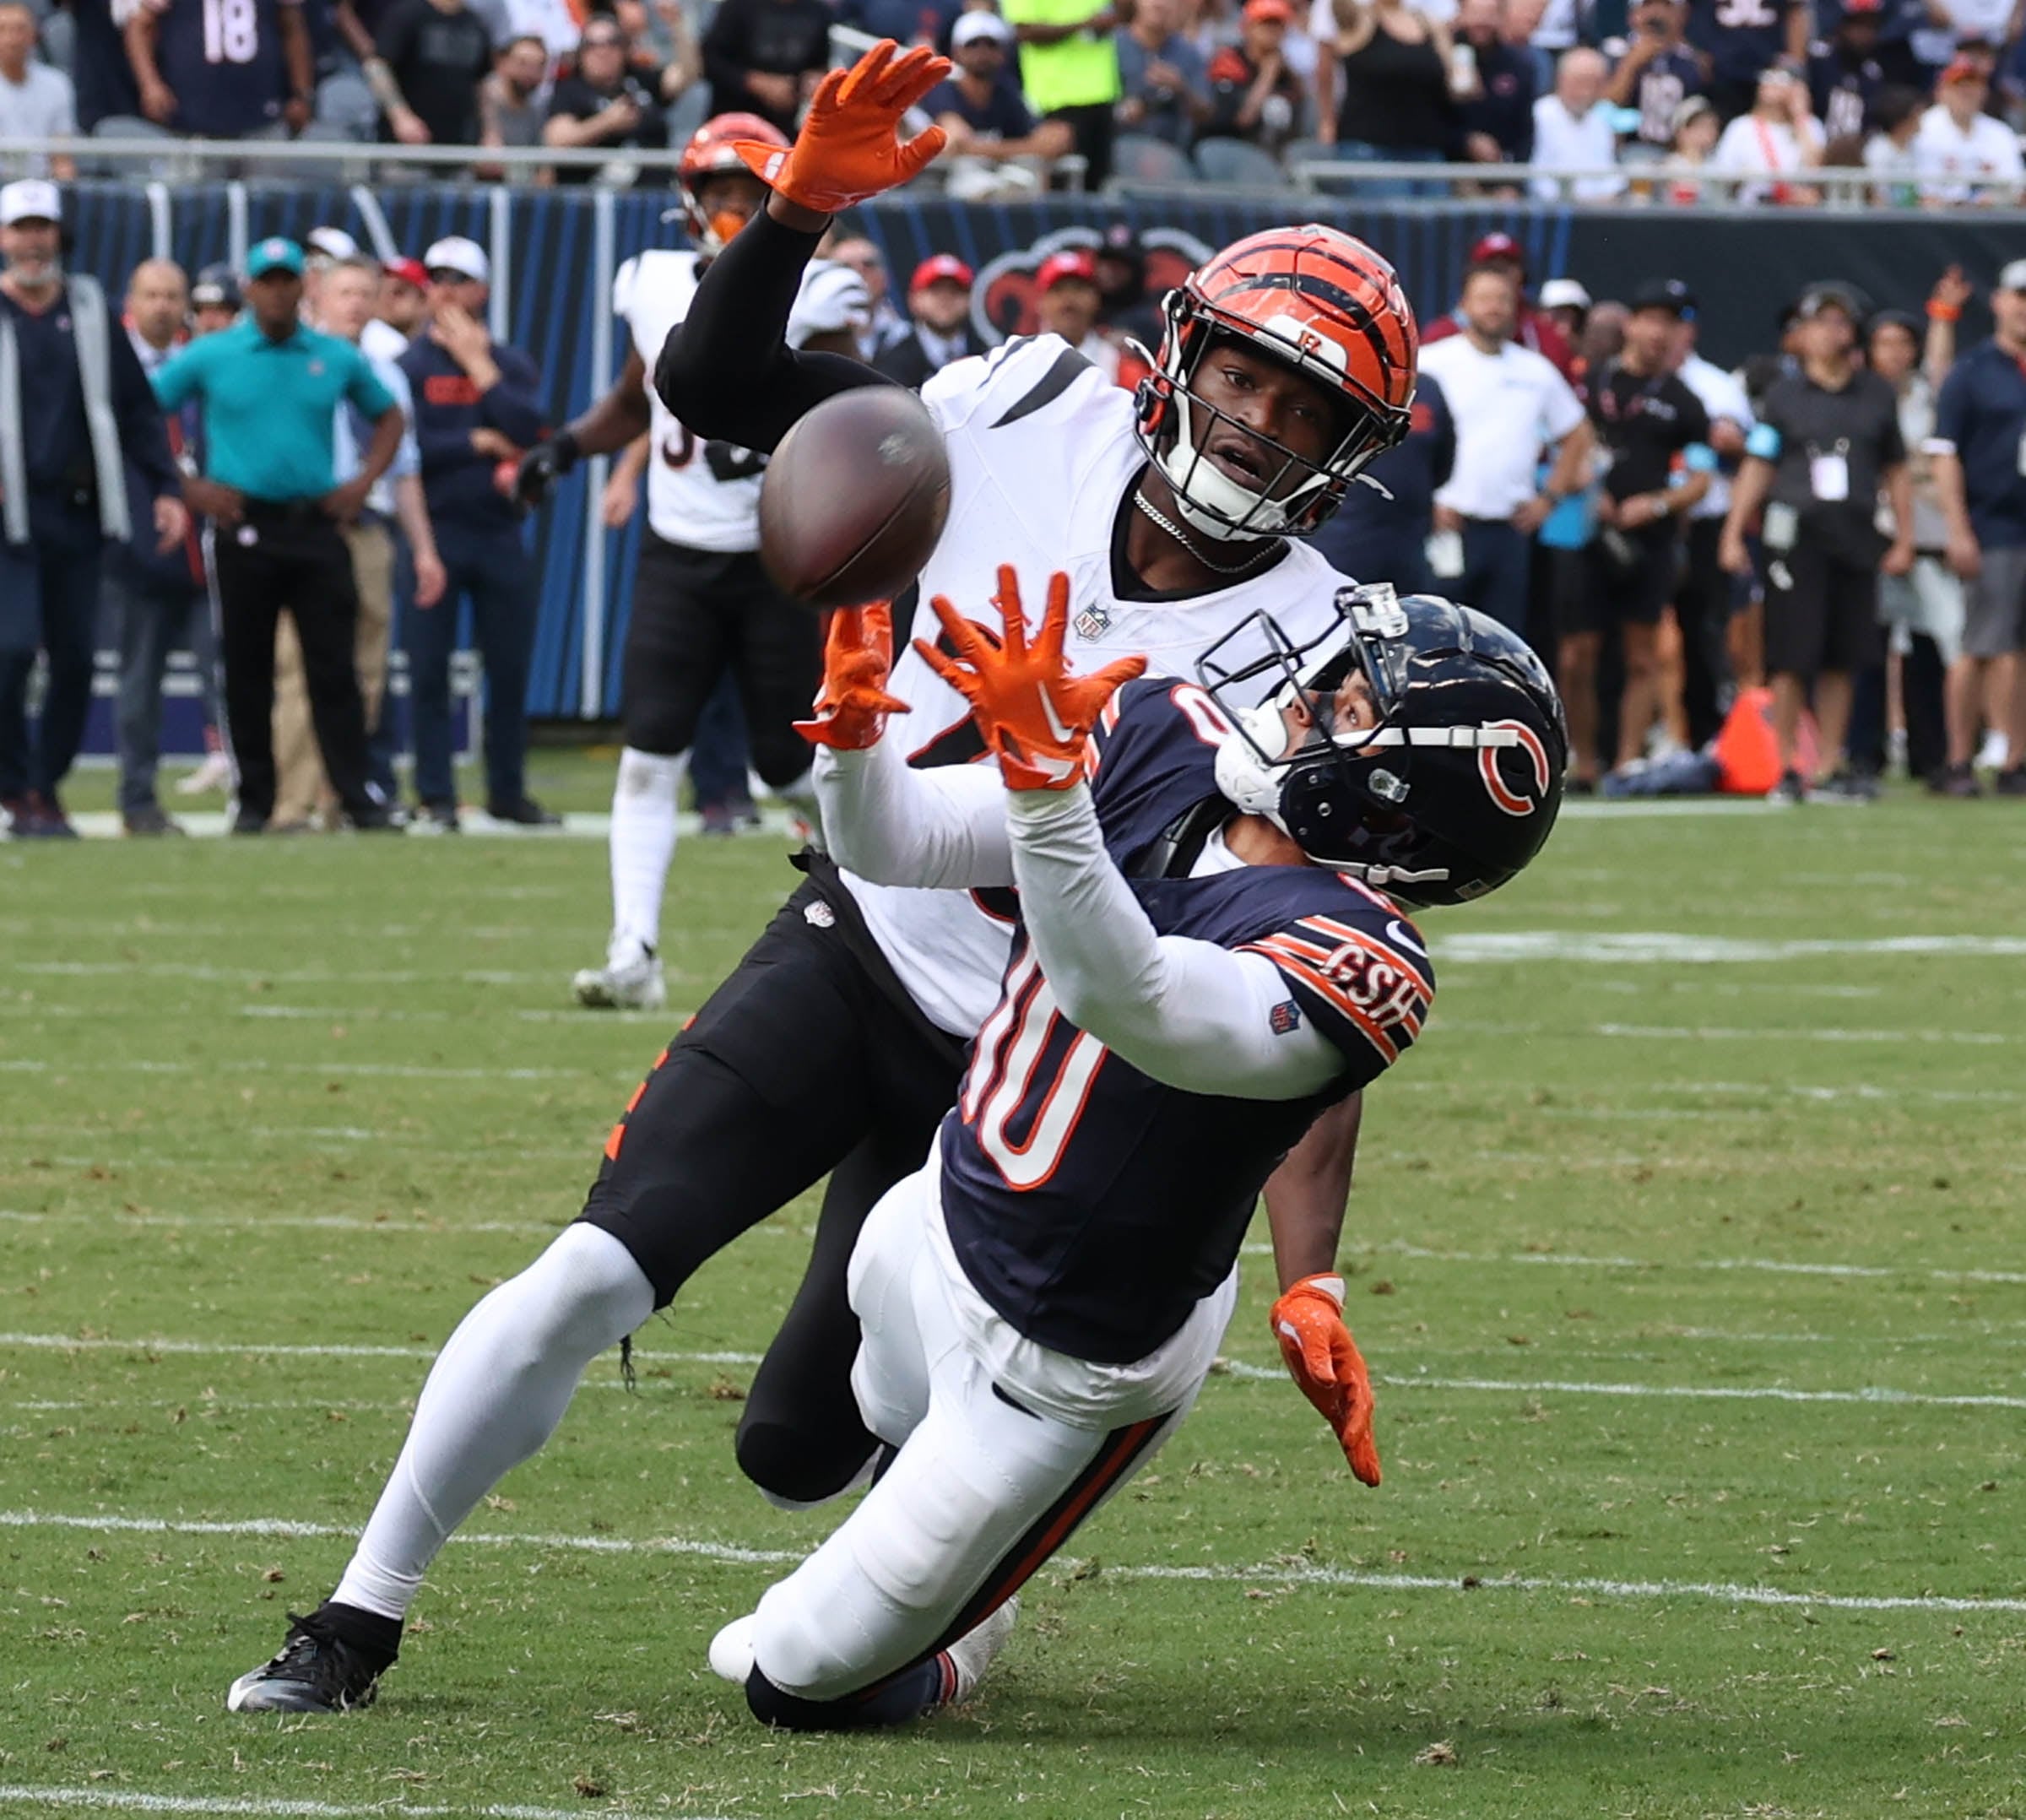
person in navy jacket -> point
(477, 405)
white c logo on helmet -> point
(1487, 768)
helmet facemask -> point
(1296, 494)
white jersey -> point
(1042, 454)
(707, 495)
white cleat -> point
(732, 1650)
(215, 773)
(971, 1654)
(630, 981)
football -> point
(854, 498)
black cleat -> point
(316, 1672)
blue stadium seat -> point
(1234, 164)
(1136, 159)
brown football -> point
(854, 498)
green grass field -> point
(1687, 1245)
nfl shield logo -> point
(1093, 622)
(1285, 1017)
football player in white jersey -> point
(836, 1046)
(702, 603)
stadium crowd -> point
(1656, 101)
(1779, 580)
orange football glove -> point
(852, 706)
(847, 150)
(1323, 1360)
(1036, 717)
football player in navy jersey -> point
(1207, 954)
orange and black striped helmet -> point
(710, 154)
(1319, 300)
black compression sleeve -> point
(726, 371)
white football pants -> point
(980, 1494)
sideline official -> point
(74, 407)
(270, 388)
(477, 404)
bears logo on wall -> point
(1002, 303)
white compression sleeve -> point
(643, 841)
(896, 825)
(1189, 1013)
(493, 1396)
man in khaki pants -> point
(346, 300)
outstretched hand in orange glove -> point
(1323, 1360)
(847, 149)
(1035, 716)
(852, 706)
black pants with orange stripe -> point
(810, 1060)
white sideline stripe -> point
(65, 1343)
(581, 825)
(1575, 1261)
(1282, 1573)
(317, 1222)
(1722, 1393)
(1671, 946)
(373, 1071)
(1725, 1033)
(138, 1800)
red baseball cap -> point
(1494, 246)
(409, 271)
(1269, 9)
(1077, 262)
(942, 269)
(1965, 69)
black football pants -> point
(808, 1060)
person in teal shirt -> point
(269, 389)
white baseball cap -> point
(329, 243)
(30, 199)
(972, 26)
(1563, 293)
(2013, 277)
(457, 254)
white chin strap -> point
(1244, 777)
(1208, 500)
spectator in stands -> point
(1499, 107)
(1659, 70)
(270, 386)
(1827, 444)
(1066, 303)
(404, 298)
(1845, 73)
(766, 57)
(155, 596)
(1383, 86)
(242, 73)
(1655, 438)
(1255, 93)
(981, 107)
(1574, 131)
(1743, 41)
(1779, 139)
(1696, 133)
(476, 407)
(36, 102)
(1123, 307)
(883, 325)
(1924, 607)
(1068, 70)
(1381, 533)
(1959, 142)
(431, 56)
(938, 300)
(513, 101)
(1510, 404)
(1501, 253)
(907, 22)
(74, 407)
(1164, 86)
(1977, 456)
(99, 66)
(1888, 154)
(602, 104)
(302, 792)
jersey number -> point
(231, 31)
(1006, 1076)
(727, 461)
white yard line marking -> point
(1575, 1261)
(1282, 1572)
(136, 1801)
(368, 1070)
(211, 1348)
(1677, 947)
(315, 1222)
(582, 824)
(1733, 1033)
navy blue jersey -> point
(222, 59)
(1093, 1206)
